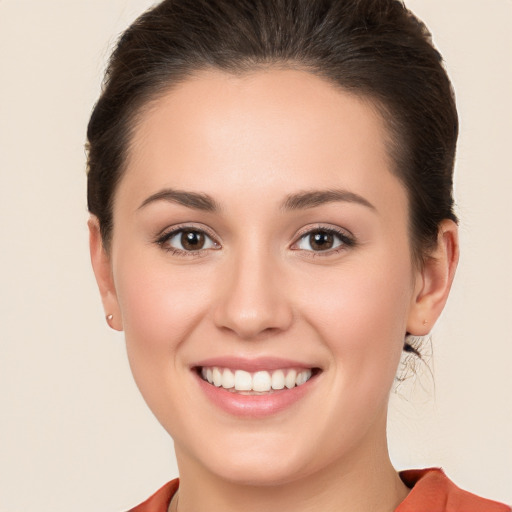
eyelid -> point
(167, 233)
(347, 238)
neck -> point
(360, 482)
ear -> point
(434, 281)
(102, 267)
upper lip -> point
(252, 365)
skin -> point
(249, 142)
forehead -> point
(269, 130)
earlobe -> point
(102, 268)
(434, 281)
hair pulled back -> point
(373, 48)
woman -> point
(270, 188)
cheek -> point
(161, 305)
(362, 316)
(159, 302)
(362, 320)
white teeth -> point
(278, 379)
(259, 382)
(228, 379)
(289, 381)
(303, 377)
(243, 381)
(217, 377)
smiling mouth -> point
(255, 383)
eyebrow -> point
(193, 200)
(313, 198)
(298, 201)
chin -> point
(264, 472)
(257, 462)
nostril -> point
(252, 305)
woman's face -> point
(258, 232)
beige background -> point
(74, 433)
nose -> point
(252, 300)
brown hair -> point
(373, 48)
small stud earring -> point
(109, 318)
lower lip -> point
(255, 406)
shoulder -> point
(159, 502)
(433, 491)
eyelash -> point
(169, 235)
(346, 241)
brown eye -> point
(187, 240)
(192, 240)
(324, 240)
(321, 241)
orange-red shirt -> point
(431, 491)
